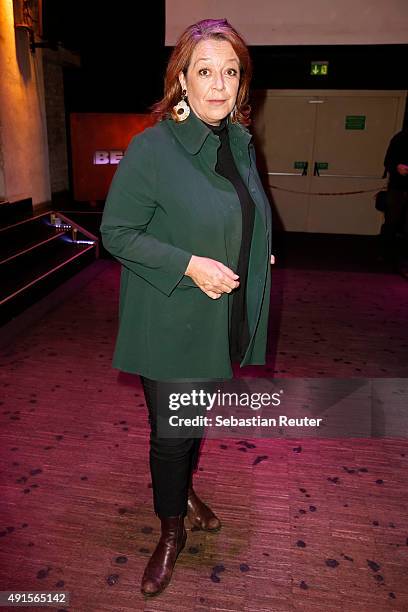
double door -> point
(318, 146)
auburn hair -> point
(217, 29)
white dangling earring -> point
(182, 109)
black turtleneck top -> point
(226, 167)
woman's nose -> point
(218, 82)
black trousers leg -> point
(394, 231)
(195, 454)
(171, 459)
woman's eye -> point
(206, 72)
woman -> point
(187, 217)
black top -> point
(397, 153)
(226, 167)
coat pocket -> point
(186, 281)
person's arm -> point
(392, 155)
(129, 207)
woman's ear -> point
(182, 80)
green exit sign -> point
(319, 68)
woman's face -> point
(212, 80)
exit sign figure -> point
(319, 68)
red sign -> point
(98, 143)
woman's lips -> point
(217, 102)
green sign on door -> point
(319, 68)
(355, 122)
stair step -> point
(21, 251)
(21, 272)
(36, 255)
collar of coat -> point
(192, 133)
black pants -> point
(172, 460)
(394, 231)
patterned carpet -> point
(308, 524)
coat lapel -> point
(191, 133)
(242, 149)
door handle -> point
(305, 167)
(316, 169)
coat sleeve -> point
(129, 206)
(392, 156)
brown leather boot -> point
(199, 514)
(159, 568)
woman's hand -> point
(272, 259)
(211, 276)
(402, 169)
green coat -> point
(166, 203)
